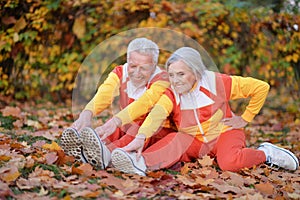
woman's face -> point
(181, 77)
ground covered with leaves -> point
(33, 166)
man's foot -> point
(279, 156)
(71, 144)
(97, 154)
(127, 162)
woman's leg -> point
(172, 148)
(232, 154)
(131, 133)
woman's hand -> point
(84, 120)
(235, 122)
(136, 145)
(108, 128)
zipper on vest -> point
(197, 118)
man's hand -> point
(136, 145)
(108, 128)
(84, 120)
(235, 122)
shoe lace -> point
(275, 163)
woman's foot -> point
(127, 162)
(279, 156)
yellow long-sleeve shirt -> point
(206, 105)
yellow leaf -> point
(11, 176)
(295, 57)
(79, 26)
(53, 146)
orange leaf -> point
(87, 169)
(76, 170)
(11, 111)
(185, 169)
(266, 188)
(63, 158)
(5, 158)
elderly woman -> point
(199, 105)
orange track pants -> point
(229, 149)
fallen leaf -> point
(33, 123)
(18, 123)
(20, 24)
(5, 191)
(43, 192)
(53, 146)
(86, 194)
(51, 158)
(11, 111)
(187, 181)
(79, 26)
(294, 196)
(113, 181)
(87, 169)
(8, 20)
(226, 188)
(265, 188)
(10, 175)
(5, 158)
(28, 184)
(206, 161)
(185, 169)
(203, 181)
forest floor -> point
(33, 165)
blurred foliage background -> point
(43, 43)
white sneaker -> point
(97, 154)
(279, 156)
(71, 144)
(127, 162)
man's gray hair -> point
(144, 46)
(189, 56)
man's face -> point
(140, 68)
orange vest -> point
(125, 97)
(200, 111)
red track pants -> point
(229, 150)
(123, 136)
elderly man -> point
(139, 83)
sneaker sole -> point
(284, 150)
(122, 162)
(71, 144)
(92, 147)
